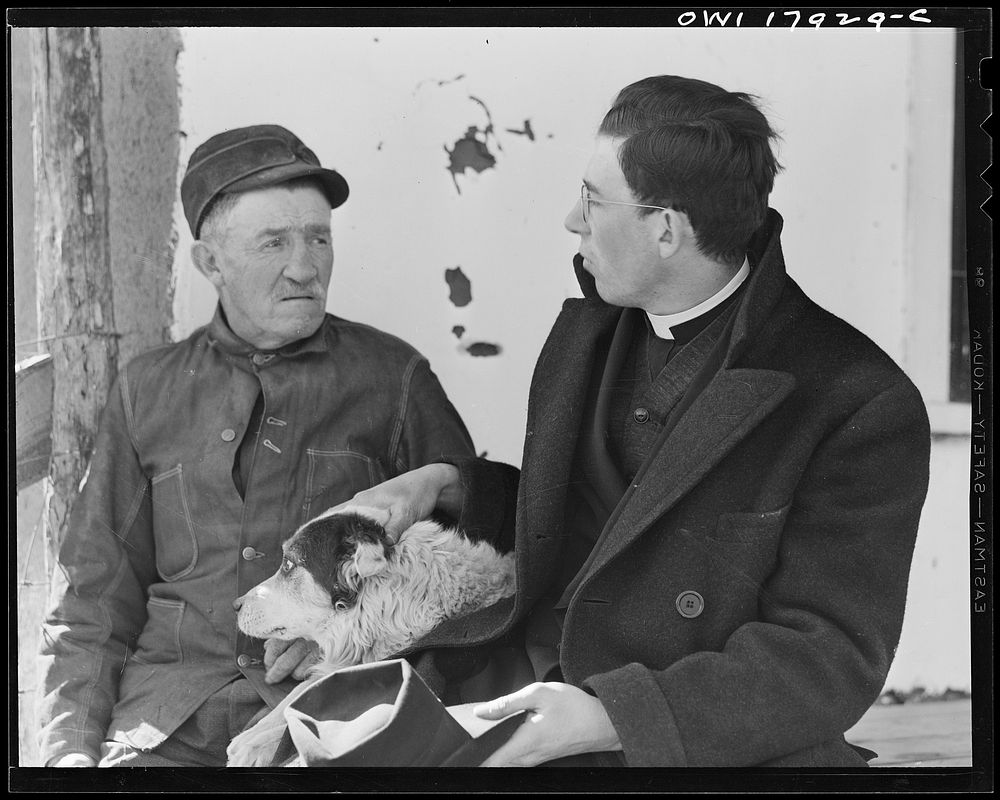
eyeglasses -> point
(586, 200)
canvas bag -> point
(381, 715)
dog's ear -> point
(369, 559)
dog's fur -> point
(344, 585)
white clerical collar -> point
(662, 323)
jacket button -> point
(249, 554)
(690, 604)
(640, 415)
(244, 660)
(260, 359)
(228, 435)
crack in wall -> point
(525, 131)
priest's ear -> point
(205, 259)
(673, 231)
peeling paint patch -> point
(483, 349)
(472, 151)
(459, 331)
(526, 131)
(469, 153)
(459, 287)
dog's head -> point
(323, 565)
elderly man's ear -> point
(203, 256)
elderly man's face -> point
(272, 257)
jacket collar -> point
(220, 335)
(763, 288)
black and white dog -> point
(344, 585)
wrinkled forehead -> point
(280, 207)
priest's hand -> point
(562, 721)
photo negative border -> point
(976, 27)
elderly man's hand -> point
(562, 721)
(283, 658)
(413, 496)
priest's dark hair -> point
(697, 148)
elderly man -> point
(210, 452)
(721, 481)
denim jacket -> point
(160, 542)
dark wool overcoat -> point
(787, 497)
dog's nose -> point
(238, 602)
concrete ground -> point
(927, 734)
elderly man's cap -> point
(251, 158)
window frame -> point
(930, 221)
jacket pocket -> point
(752, 527)
(744, 548)
(176, 545)
(160, 640)
(335, 476)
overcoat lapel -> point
(729, 408)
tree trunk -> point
(106, 129)
(76, 308)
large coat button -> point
(228, 435)
(690, 604)
(641, 415)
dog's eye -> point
(287, 565)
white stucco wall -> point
(382, 106)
